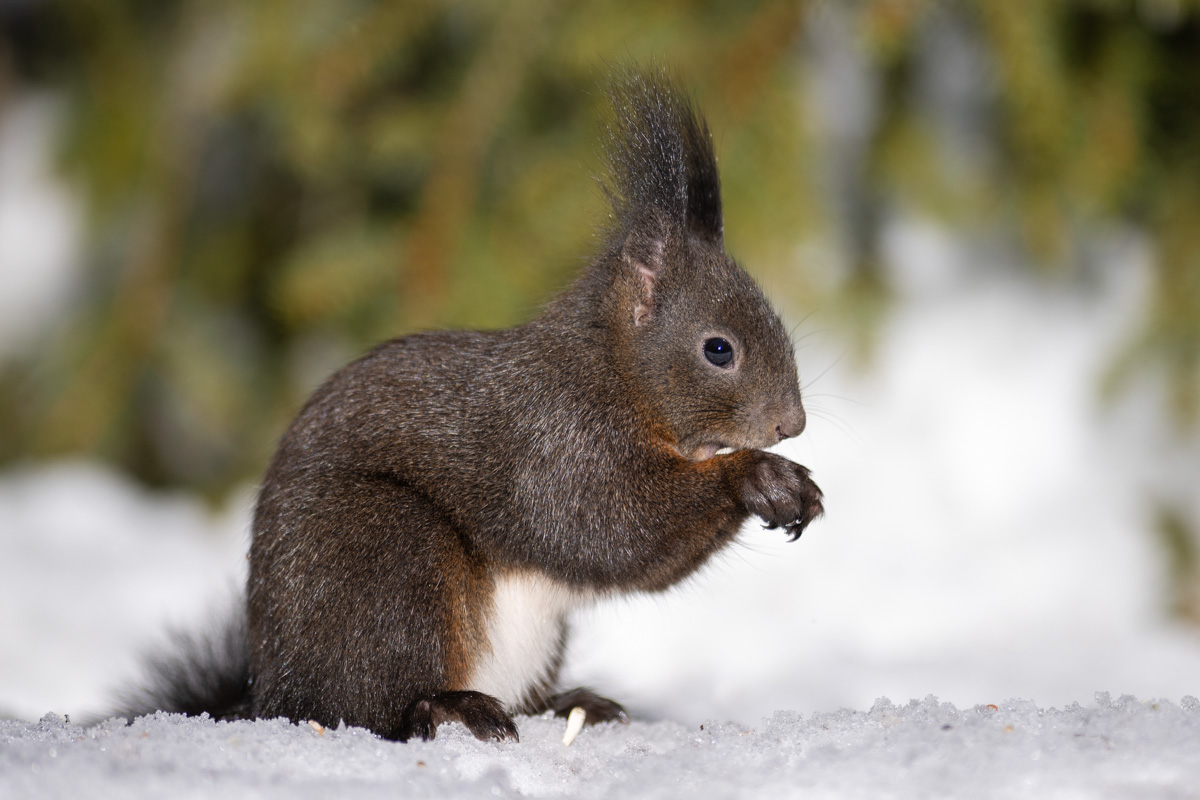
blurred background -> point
(982, 218)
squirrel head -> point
(705, 350)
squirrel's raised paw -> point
(782, 493)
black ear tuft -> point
(660, 157)
(703, 182)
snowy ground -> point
(987, 538)
(921, 749)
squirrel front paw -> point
(782, 493)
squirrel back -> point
(440, 505)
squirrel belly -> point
(526, 635)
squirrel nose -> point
(792, 424)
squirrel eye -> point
(718, 351)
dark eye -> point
(718, 351)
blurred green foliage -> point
(274, 185)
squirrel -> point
(440, 505)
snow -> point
(92, 571)
(1108, 748)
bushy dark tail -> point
(197, 673)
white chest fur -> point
(527, 622)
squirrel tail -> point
(198, 673)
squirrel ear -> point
(643, 306)
(643, 257)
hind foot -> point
(483, 715)
(599, 709)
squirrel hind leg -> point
(483, 715)
(599, 709)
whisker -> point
(840, 425)
(840, 397)
(806, 384)
(792, 332)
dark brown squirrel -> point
(440, 505)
